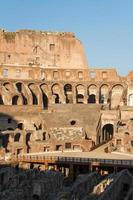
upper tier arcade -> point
(47, 49)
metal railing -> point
(63, 159)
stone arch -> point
(7, 85)
(7, 92)
(116, 95)
(45, 100)
(56, 93)
(17, 100)
(92, 92)
(130, 100)
(19, 86)
(22, 89)
(80, 92)
(34, 92)
(68, 93)
(103, 94)
(107, 132)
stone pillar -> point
(85, 96)
(74, 95)
(97, 97)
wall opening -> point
(21, 126)
(19, 87)
(68, 145)
(45, 101)
(80, 98)
(92, 98)
(68, 93)
(73, 122)
(107, 132)
(17, 137)
(57, 99)
(15, 100)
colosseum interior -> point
(52, 101)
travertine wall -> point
(49, 49)
(46, 84)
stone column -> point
(74, 94)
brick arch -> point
(8, 91)
(22, 90)
(68, 91)
(36, 94)
(107, 132)
(92, 93)
(80, 93)
(56, 93)
(116, 95)
(104, 93)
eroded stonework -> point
(50, 100)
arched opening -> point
(57, 99)
(44, 90)
(56, 93)
(80, 91)
(116, 96)
(107, 132)
(45, 101)
(21, 126)
(68, 93)
(35, 100)
(92, 92)
(44, 136)
(33, 89)
(102, 99)
(19, 87)
(15, 100)
(103, 94)
(17, 137)
(92, 98)
(80, 98)
(73, 122)
(25, 102)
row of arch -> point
(34, 94)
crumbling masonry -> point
(51, 100)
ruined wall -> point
(49, 49)
(45, 83)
